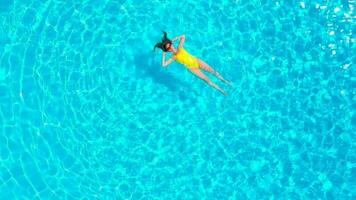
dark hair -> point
(162, 45)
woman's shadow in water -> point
(148, 67)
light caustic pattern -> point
(88, 113)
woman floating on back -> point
(192, 63)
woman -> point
(192, 63)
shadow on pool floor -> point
(146, 66)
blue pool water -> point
(87, 112)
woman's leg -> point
(200, 74)
(207, 67)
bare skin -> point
(198, 72)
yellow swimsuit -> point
(186, 59)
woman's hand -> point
(178, 37)
(175, 38)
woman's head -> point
(166, 43)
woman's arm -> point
(166, 62)
(182, 40)
(176, 38)
(181, 37)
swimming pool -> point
(88, 113)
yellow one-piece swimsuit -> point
(186, 59)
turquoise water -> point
(88, 113)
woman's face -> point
(168, 46)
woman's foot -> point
(222, 79)
(228, 82)
(217, 87)
(222, 91)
